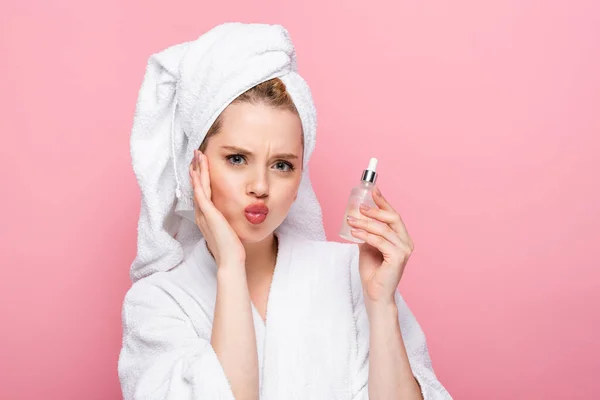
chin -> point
(253, 233)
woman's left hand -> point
(385, 252)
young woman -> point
(256, 311)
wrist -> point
(382, 308)
(231, 271)
(379, 299)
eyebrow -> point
(239, 150)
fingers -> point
(195, 176)
(381, 201)
(394, 253)
(387, 248)
(204, 174)
(375, 227)
(388, 217)
(200, 166)
(387, 214)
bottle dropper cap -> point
(372, 165)
(370, 174)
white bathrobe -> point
(314, 345)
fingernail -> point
(365, 207)
(377, 191)
(351, 218)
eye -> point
(236, 159)
(284, 166)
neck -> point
(261, 256)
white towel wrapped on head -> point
(185, 88)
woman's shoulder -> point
(150, 290)
(174, 295)
(184, 283)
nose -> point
(258, 184)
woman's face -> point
(255, 159)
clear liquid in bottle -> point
(360, 194)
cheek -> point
(287, 192)
(224, 188)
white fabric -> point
(185, 88)
(314, 345)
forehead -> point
(252, 125)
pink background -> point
(485, 116)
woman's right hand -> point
(223, 242)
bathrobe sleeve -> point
(414, 341)
(163, 355)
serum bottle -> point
(360, 194)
